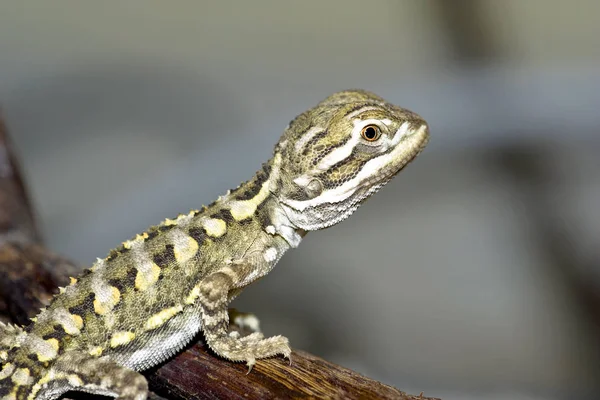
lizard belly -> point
(156, 346)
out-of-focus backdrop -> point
(473, 275)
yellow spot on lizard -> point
(242, 209)
(121, 338)
(21, 377)
(71, 329)
(74, 380)
(7, 369)
(183, 252)
(77, 320)
(214, 227)
(143, 279)
(54, 343)
(169, 222)
(141, 237)
(101, 308)
(161, 317)
(96, 351)
(50, 351)
(193, 296)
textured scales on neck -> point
(156, 292)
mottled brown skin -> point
(158, 290)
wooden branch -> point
(30, 273)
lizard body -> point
(151, 296)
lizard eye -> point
(370, 133)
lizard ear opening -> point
(308, 187)
(314, 188)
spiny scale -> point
(152, 295)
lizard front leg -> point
(213, 298)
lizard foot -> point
(250, 348)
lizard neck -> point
(256, 200)
(275, 222)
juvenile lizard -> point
(152, 295)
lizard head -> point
(336, 155)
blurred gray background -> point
(473, 275)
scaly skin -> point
(152, 295)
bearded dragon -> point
(155, 293)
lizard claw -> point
(250, 364)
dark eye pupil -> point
(370, 133)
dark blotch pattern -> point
(11, 353)
(245, 221)
(119, 284)
(252, 188)
(22, 392)
(28, 328)
(198, 234)
(130, 279)
(264, 219)
(113, 253)
(152, 234)
(166, 257)
(224, 214)
(86, 306)
(86, 272)
(57, 333)
(5, 389)
(165, 228)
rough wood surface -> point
(30, 274)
